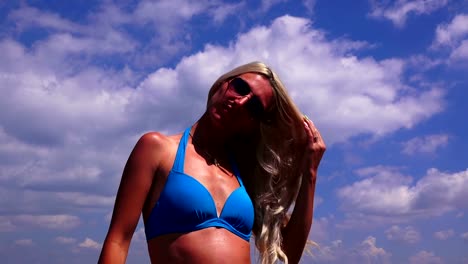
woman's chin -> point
(217, 118)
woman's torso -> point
(208, 245)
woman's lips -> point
(226, 108)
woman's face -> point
(240, 103)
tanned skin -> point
(152, 158)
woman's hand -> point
(314, 149)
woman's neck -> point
(209, 138)
(216, 142)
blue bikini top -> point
(185, 205)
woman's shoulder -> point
(155, 139)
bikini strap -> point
(235, 169)
(180, 156)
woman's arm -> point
(295, 233)
(133, 190)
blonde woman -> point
(233, 174)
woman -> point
(233, 173)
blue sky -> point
(385, 82)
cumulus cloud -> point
(399, 11)
(464, 236)
(408, 234)
(28, 16)
(425, 257)
(385, 191)
(70, 37)
(139, 235)
(389, 196)
(57, 222)
(460, 52)
(370, 251)
(422, 63)
(65, 240)
(24, 242)
(89, 243)
(17, 201)
(105, 30)
(221, 12)
(366, 251)
(309, 5)
(6, 224)
(320, 229)
(452, 36)
(329, 253)
(444, 234)
(426, 144)
(268, 4)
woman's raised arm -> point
(295, 233)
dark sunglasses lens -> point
(240, 86)
(255, 107)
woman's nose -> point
(244, 99)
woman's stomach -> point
(210, 245)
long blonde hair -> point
(275, 180)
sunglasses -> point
(242, 88)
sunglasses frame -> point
(254, 105)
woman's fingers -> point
(311, 130)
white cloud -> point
(66, 44)
(452, 33)
(167, 12)
(50, 221)
(399, 11)
(387, 192)
(173, 37)
(444, 234)
(108, 217)
(17, 201)
(309, 5)
(70, 37)
(373, 253)
(27, 16)
(320, 229)
(105, 31)
(426, 145)
(139, 235)
(268, 4)
(58, 222)
(365, 252)
(460, 52)
(328, 253)
(425, 257)
(221, 12)
(89, 243)
(464, 236)
(318, 200)
(65, 240)
(83, 199)
(24, 242)
(6, 224)
(408, 234)
(453, 37)
(389, 197)
(422, 63)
